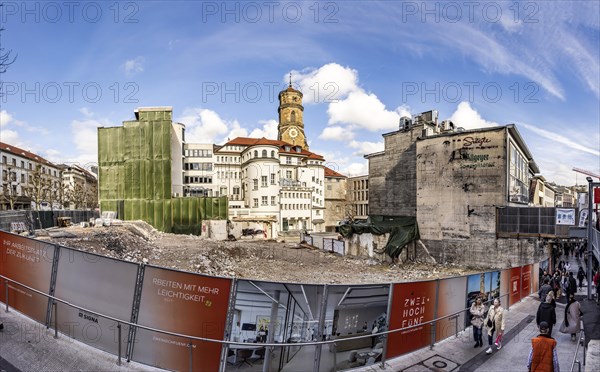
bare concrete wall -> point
(393, 176)
(365, 244)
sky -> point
(361, 65)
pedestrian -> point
(477, 312)
(571, 285)
(546, 313)
(495, 322)
(556, 284)
(572, 318)
(550, 299)
(580, 276)
(543, 356)
(568, 266)
(544, 290)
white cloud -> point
(356, 169)
(134, 66)
(268, 130)
(366, 147)
(329, 83)
(207, 126)
(363, 110)
(560, 139)
(467, 117)
(204, 126)
(11, 137)
(86, 112)
(5, 118)
(336, 134)
(85, 138)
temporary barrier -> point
(180, 320)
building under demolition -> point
(141, 174)
(453, 181)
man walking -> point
(543, 356)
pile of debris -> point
(251, 259)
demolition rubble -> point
(269, 260)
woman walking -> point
(571, 323)
(495, 322)
(477, 311)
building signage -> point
(565, 216)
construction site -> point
(250, 257)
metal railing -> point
(191, 338)
(580, 340)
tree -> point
(5, 58)
(10, 194)
(91, 196)
(39, 186)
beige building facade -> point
(452, 181)
(336, 199)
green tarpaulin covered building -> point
(139, 168)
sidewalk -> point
(458, 353)
(26, 345)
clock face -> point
(293, 133)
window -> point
(288, 160)
(288, 174)
(255, 184)
(22, 164)
(4, 159)
(264, 153)
(22, 178)
(272, 178)
(255, 154)
(272, 154)
(263, 181)
(264, 200)
(273, 200)
(236, 190)
(255, 202)
(293, 117)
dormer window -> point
(287, 148)
(298, 149)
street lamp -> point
(590, 251)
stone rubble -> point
(257, 259)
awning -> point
(318, 221)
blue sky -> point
(360, 64)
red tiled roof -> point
(24, 153)
(331, 173)
(246, 141)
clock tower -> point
(291, 124)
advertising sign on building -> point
(583, 215)
(29, 262)
(412, 304)
(184, 303)
(565, 216)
